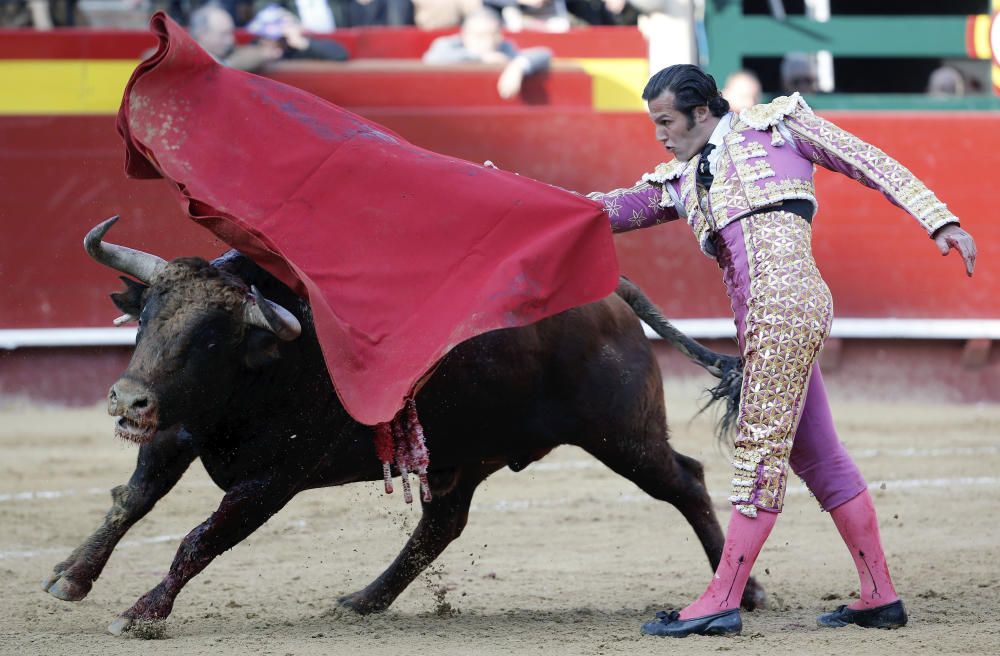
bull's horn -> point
(260, 312)
(142, 266)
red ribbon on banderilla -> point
(401, 441)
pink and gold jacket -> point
(766, 157)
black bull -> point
(220, 373)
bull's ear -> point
(130, 300)
(261, 349)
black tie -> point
(705, 176)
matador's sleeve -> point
(838, 150)
(645, 204)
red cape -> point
(402, 253)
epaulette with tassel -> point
(766, 116)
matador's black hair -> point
(691, 86)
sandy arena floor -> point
(563, 558)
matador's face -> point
(680, 134)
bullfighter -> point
(744, 183)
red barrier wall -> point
(60, 175)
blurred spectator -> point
(668, 26)
(212, 27)
(442, 14)
(603, 12)
(40, 14)
(946, 81)
(280, 38)
(280, 27)
(799, 73)
(393, 13)
(317, 14)
(742, 90)
(679, 15)
(181, 11)
(481, 41)
(538, 15)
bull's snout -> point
(135, 405)
(126, 395)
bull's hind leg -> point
(652, 464)
(244, 508)
(159, 466)
(442, 521)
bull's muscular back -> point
(511, 395)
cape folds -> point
(401, 252)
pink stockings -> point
(858, 526)
(744, 540)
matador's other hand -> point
(951, 236)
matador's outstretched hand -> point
(951, 236)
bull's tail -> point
(727, 368)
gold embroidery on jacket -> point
(747, 150)
(775, 191)
(754, 171)
(753, 165)
(727, 193)
(873, 166)
(692, 201)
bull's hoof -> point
(141, 629)
(361, 604)
(754, 596)
(120, 625)
(62, 587)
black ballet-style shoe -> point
(670, 624)
(889, 616)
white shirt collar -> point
(718, 134)
(721, 130)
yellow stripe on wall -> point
(81, 86)
(981, 36)
(994, 69)
(55, 86)
(618, 83)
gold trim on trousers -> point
(789, 313)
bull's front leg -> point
(652, 464)
(442, 521)
(244, 508)
(160, 464)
